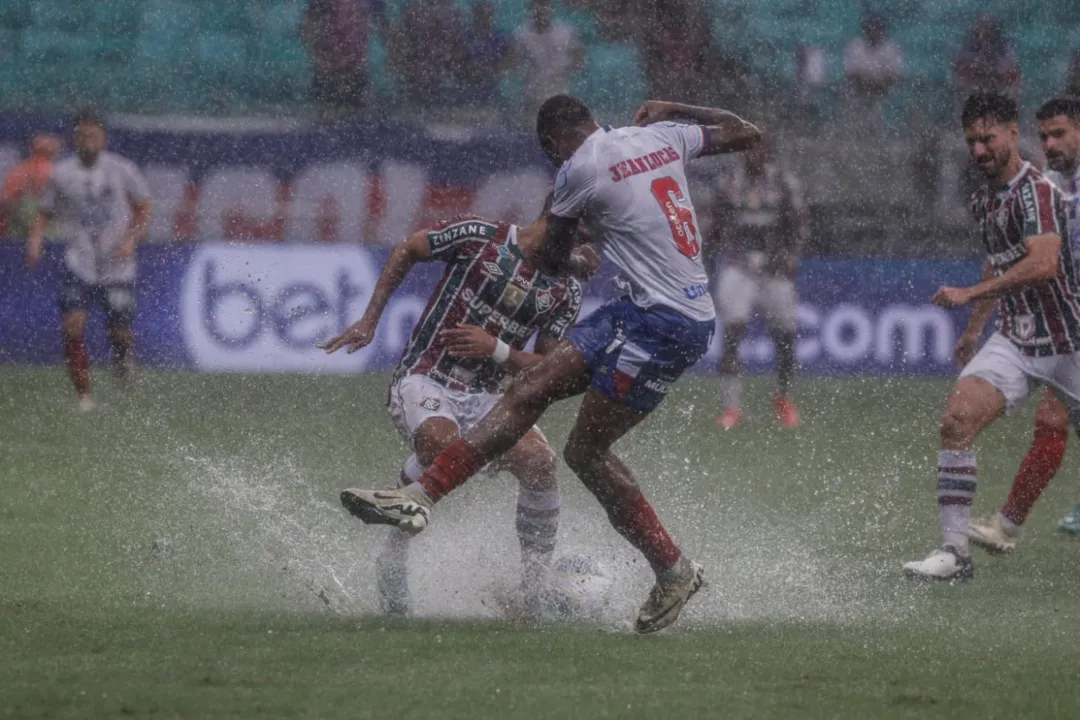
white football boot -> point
(670, 593)
(387, 507)
(942, 565)
(991, 535)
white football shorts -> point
(1015, 374)
(740, 290)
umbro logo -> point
(493, 269)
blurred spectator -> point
(811, 82)
(553, 54)
(873, 66)
(336, 33)
(25, 183)
(432, 52)
(677, 52)
(987, 62)
(1072, 77)
(487, 56)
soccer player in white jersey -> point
(101, 205)
(1058, 123)
(629, 187)
(1030, 273)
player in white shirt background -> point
(101, 205)
(629, 187)
(1058, 123)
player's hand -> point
(950, 297)
(584, 262)
(33, 254)
(356, 336)
(652, 111)
(965, 348)
(468, 341)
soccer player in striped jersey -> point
(1059, 131)
(470, 338)
(1029, 271)
(629, 187)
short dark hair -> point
(89, 116)
(560, 112)
(995, 106)
(1067, 106)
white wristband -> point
(501, 353)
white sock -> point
(411, 471)
(957, 480)
(731, 391)
(537, 525)
(1010, 527)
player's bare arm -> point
(137, 228)
(1041, 263)
(981, 312)
(471, 341)
(36, 242)
(560, 250)
(413, 249)
(727, 132)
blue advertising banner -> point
(220, 307)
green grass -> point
(165, 556)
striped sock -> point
(956, 490)
(537, 525)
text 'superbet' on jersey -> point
(1042, 319)
(486, 283)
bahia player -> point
(470, 338)
(1058, 122)
(1030, 273)
(101, 205)
(629, 187)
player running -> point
(765, 224)
(1059, 131)
(1031, 272)
(629, 186)
(101, 205)
(470, 338)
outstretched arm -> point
(405, 254)
(1041, 263)
(725, 132)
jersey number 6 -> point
(667, 192)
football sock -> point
(1036, 470)
(785, 362)
(637, 522)
(121, 347)
(956, 489)
(537, 524)
(731, 390)
(411, 471)
(453, 466)
(78, 364)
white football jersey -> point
(92, 208)
(1070, 191)
(629, 186)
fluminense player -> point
(1029, 271)
(490, 300)
(1059, 131)
(762, 226)
(101, 205)
(629, 186)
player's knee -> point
(540, 471)
(958, 424)
(581, 457)
(1052, 416)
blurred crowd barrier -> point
(227, 307)
(272, 182)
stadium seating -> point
(241, 56)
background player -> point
(762, 224)
(1031, 270)
(629, 186)
(488, 303)
(101, 205)
(1059, 131)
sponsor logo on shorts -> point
(658, 386)
(431, 404)
(695, 291)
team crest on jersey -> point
(1024, 327)
(544, 300)
(431, 404)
